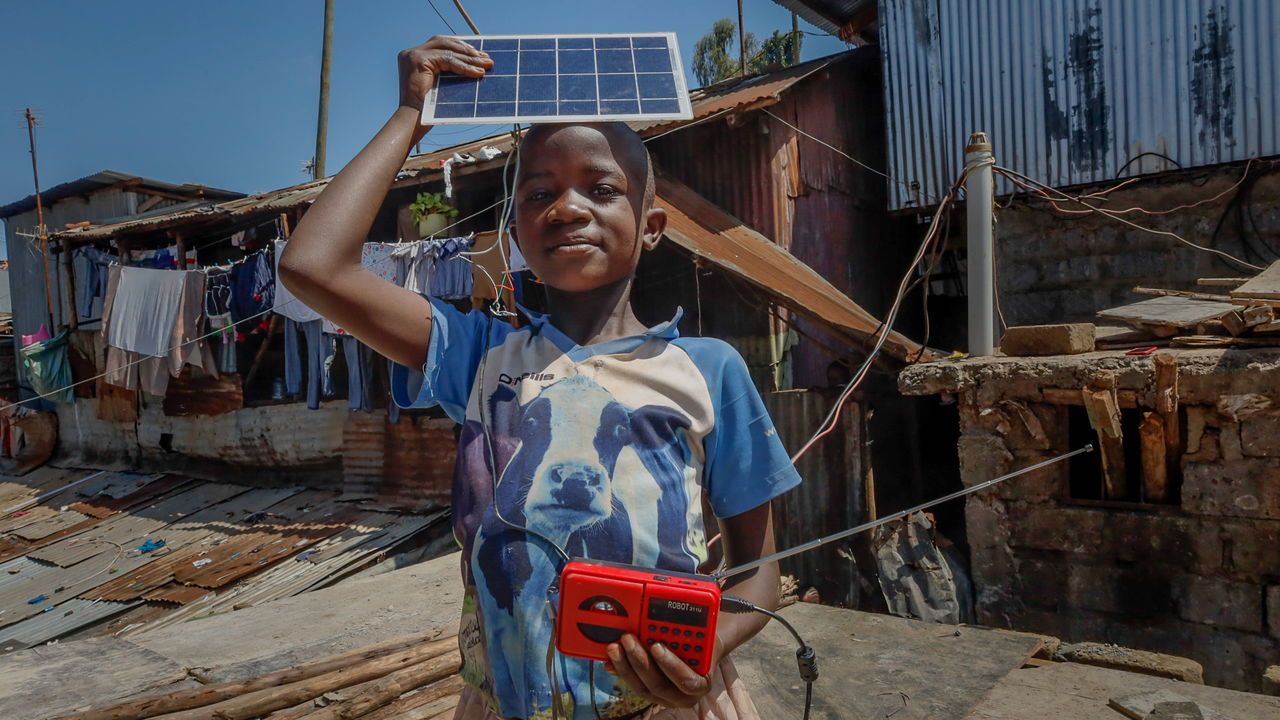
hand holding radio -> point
(657, 673)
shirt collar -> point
(668, 330)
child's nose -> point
(570, 207)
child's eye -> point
(604, 191)
(536, 195)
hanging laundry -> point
(48, 368)
(285, 304)
(359, 374)
(252, 287)
(451, 274)
(134, 316)
(417, 262)
(217, 291)
(145, 310)
(90, 268)
(320, 352)
(224, 342)
(237, 239)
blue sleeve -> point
(746, 464)
(453, 355)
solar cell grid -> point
(561, 78)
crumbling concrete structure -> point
(1167, 539)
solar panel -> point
(566, 78)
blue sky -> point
(224, 93)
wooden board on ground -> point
(1082, 692)
(1265, 287)
(877, 666)
(50, 680)
(1169, 312)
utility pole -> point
(978, 191)
(40, 230)
(795, 39)
(466, 16)
(742, 40)
(322, 123)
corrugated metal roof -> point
(1070, 91)
(838, 17)
(705, 230)
(111, 178)
(66, 618)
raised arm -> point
(321, 264)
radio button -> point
(688, 633)
(687, 647)
(697, 648)
(692, 662)
(653, 628)
(701, 636)
(675, 646)
(665, 629)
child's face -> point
(580, 215)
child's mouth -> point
(572, 246)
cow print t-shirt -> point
(607, 450)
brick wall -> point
(1198, 578)
(1053, 268)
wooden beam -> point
(1182, 293)
(1104, 415)
(1258, 315)
(1155, 479)
(1222, 282)
(1166, 372)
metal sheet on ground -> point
(135, 526)
(47, 526)
(34, 683)
(64, 620)
(877, 666)
(1171, 311)
(1081, 692)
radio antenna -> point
(730, 572)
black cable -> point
(1140, 155)
(806, 657)
(439, 15)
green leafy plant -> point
(431, 203)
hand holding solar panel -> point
(422, 66)
(564, 78)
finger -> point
(681, 675)
(619, 665)
(456, 45)
(645, 668)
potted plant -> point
(431, 213)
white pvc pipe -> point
(978, 209)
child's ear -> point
(655, 223)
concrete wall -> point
(1198, 578)
(1053, 268)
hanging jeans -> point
(359, 374)
(319, 361)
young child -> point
(584, 433)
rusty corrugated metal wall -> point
(819, 205)
(830, 499)
(408, 464)
(1071, 90)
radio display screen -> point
(678, 612)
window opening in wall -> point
(1141, 473)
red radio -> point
(600, 601)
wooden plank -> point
(1155, 484)
(1167, 405)
(878, 666)
(1218, 341)
(1162, 705)
(1081, 692)
(1161, 292)
(1104, 416)
(1230, 282)
(1265, 286)
(1258, 315)
(1169, 312)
